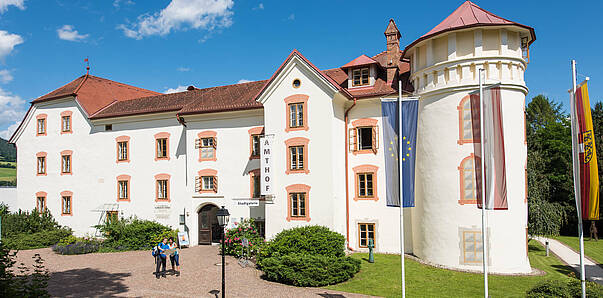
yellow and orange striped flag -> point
(589, 174)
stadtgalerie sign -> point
(266, 164)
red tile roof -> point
(469, 15)
(225, 98)
(94, 93)
(361, 60)
(197, 101)
(214, 99)
(381, 86)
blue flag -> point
(389, 110)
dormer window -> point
(360, 77)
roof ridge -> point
(228, 85)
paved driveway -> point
(131, 274)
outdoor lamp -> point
(223, 216)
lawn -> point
(383, 278)
(593, 249)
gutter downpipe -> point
(347, 189)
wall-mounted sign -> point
(266, 164)
(248, 203)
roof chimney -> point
(392, 36)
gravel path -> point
(130, 274)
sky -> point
(170, 44)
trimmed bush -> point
(310, 256)
(564, 288)
(134, 234)
(313, 240)
(233, 237)
(305, 270)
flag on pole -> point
(588, 168)
(389, 109)
(494, 149)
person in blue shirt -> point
(174, 256)
(161, 257)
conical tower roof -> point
(470, 15)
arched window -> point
(465, 131)
(467, 180)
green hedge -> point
(304, 270)
(564, 289)
(35, 240)
(29, 230)
(313, 240)
(134, 234)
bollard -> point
(547, 248)
(370, 247)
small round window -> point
(296, 83)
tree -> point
(544, 218)
(550, 180)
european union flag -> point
(394, 154)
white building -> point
(95, 147)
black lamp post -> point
(223, 217)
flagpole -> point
(401, 187)
(576, 178)
(483, 188)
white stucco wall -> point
(320, 112)
(439, 219)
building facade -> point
(95, 148)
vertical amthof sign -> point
(266, 164)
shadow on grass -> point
(563, 269)
(86, 282)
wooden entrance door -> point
(208, 222)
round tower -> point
(445, 64)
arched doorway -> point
(209, 230)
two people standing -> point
(161, 257)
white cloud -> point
(259, 7)
(5, 76)
(8, 132)
(12, 108)
(4, 4)
(67, 32)
(8, 41)
(241, 81)
(182, 15)
(183, 69)
(291, 17)
(177, 89)
(117, 3)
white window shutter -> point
(197, 143)
(197, 184)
